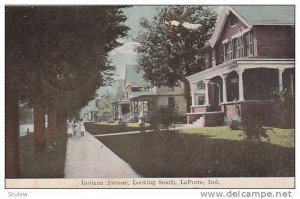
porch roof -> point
(121, 102)
(137, 95)
(241, 64)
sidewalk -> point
(87, 157)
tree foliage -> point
(59, 54)
(106, 109)
(168, 53)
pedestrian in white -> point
(75, 127)
(70, 128)
(81, 127)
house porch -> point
(240, 87)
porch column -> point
(192, 94)
(292, 82)
(241, 85)
(143, 104)
(130, 107)
(224, 76)
(280, 78)
(206, 81)
(219, 89)
(120, 111)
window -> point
(171, 102)
(170, 88)
(235, 48)
(248, 39)
(228, 51)
(136, 89)
(200, 85)
(201, 100)
(147, 89)
(221, 54)
(233, 20)
(251, 43)
(238, 47)
(225, 51)
(241, 46)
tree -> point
(168, 51)
(56, 58)
(105, 104)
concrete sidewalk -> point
(87, 157)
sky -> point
(125, 54)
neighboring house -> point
(90, 112)
(140, 98)
(250, 54)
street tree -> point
(56, 58)
(171, 44)
(105, 104)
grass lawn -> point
(47, 164)
(204, 152)
(108, 128)
(282, 137)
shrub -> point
(163, 118)
(253, 127)
(181, 119)
(286, 109)
(154, 121)
(235, 123)
(122, 125)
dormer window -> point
(233, 21)
(200, 85)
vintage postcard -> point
(151, 96)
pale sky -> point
(125, 54)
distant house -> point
(140, 98)
(250, 54)
(90, 112)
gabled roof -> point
(132, 77)
(255, 15)
(266, 15)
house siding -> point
(180, 103)
(268, 41)
(275, 41)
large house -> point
(140, 98)
(250, 54)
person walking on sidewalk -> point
(75, 127)
(70, 128)
(81, 127)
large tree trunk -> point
(187, 95)
(39, 126)
(12, 167)
(52, 123)
(62, 124)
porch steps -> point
(199, 122)
(201, 119)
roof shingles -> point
(267, 15)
